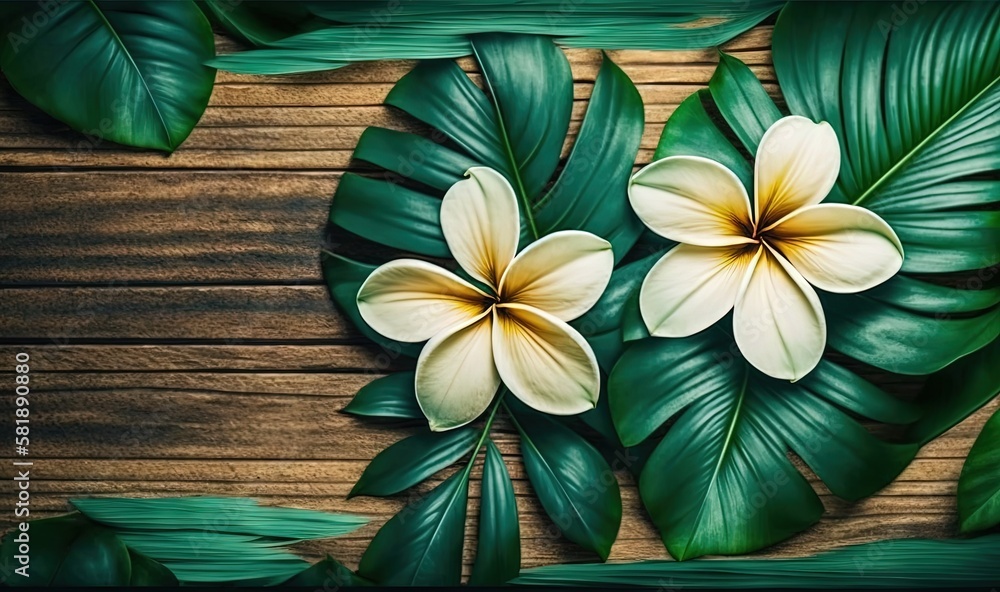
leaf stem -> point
(486, 430)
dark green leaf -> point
(741, 99)
(956, 392)
(691, 132)
(577, 488)
(909, 140)
(422, 544)
(498, 556)
(602, 324)
(411, 460)
(720, 481)
(96, 557)
(979, 484)
(146, 572)
(344, 278)
(262, 22)
(571, 203)
(126, 72)
(328, 574)
(371, 208)
(904, 564)
(393, 396)
(48, 541)
(413, 157)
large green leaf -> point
(413, 459)
(263, 21)
(979, 484)
(328, 574)
(911, 139)
(498, 556)
(128, 72)
(424, 29)
(147, 572)
(422, 544)
(720, 480)
(895, 563)
(574, 483)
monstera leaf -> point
(915, 148)
(516, 124)
(128, 72)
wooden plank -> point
(223, 314)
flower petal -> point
(692, 200)
(456, 377)
(778, 321)
(480, 223)
(562, 274)
(543, 361)
(797, 164)
(412, 300)
(690, 288)
(838, 247)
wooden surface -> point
(183, 342)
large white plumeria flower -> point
(761, 260)
(515, 331)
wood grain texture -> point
(183, 343)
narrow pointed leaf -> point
(433, 529)
(413, 459)
(498, 554)
(577, 488)
(979, 484)
(391, 397)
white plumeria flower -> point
(515, 332)
(761, 260)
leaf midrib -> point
(142, 78)
(723, 455)
(920, 146)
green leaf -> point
(146, 572)
(894, 563)
(909, 141)
(413, 459)
(344, 278)
(65, 551)
(956, 392)
(422, 544)
(262, 22)
(574, 483)
(393, 396)
(248, 542)
(979, 483)
(498, 556)
(741, 99)
(601, 326)
(328, 574)
(720, 481)
(517, 127)
(424, 29)
(128, 72)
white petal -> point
(412, 300)
(778, 321)
(456, 377)
(838, 247)
(543, 361)
(480, 222)
(690, 288)
(692, 200)
(562, 274)
(797, 164)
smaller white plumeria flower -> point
(516, 331)
(760, 260)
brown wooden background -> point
(183, 342)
